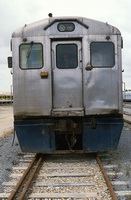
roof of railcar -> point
(39, 27)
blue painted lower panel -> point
(35, 135)
(101, 134)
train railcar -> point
(67, 85)
(127, 96)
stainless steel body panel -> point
(73, 92)
(102, 86)
(29, 88)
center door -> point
(67, 78)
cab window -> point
(102, 54)
(66, 56)
(31, 56)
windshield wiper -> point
(29, 53)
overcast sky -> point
(16, 13)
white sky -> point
(16, 13)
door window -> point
(66, 56)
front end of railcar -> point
(67, 80)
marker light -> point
(66, 27)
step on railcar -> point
(67, 82)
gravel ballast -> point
(9, 157)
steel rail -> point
(127, 121)
(27, 185)
(18, 185)
(111, 190)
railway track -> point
(127, 105)
(6, 102)
(59, 177)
